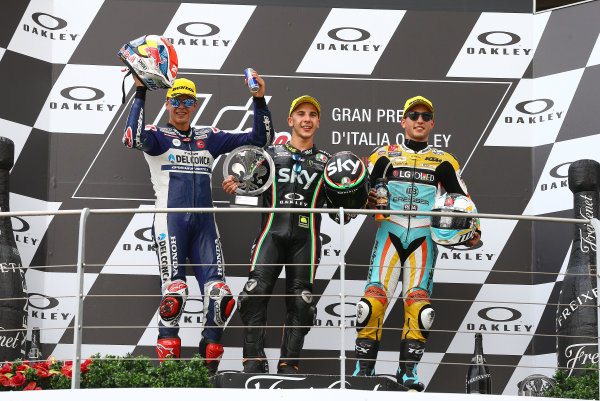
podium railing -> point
(86, 212)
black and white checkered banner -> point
(516, 102)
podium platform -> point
(235, 379)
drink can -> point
(252, 83)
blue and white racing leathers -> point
(181, 166)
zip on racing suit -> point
(181, 165)
(290, 239)
(404, 251)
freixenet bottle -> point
(13, 292)
(576, 314)
(478, 378)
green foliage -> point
(107, 372)
(584, 387)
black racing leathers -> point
(290, 239)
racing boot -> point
(366, 351)
(287, 369)
(256, 365)
(168, 347)
(411, 352)
(211, 353)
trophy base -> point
(248, 201)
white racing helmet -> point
(152, 59)
(450, 230)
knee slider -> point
(419, 311)
(173, 302)
(217, 296)
(305, 305)
(371, 305)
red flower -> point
(6, 368)
(67, 370)
(5, 381)
(17, 380)
(84, 365)
(23, 367)
(41, 372)
(42, 365)
(30, 386)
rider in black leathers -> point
(290, 239)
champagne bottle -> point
(34, 353)
(576, 314)
(478, 378)
(13, 292)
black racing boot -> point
(366, 351)
(256, 365)
(287, 369)
(411, 352)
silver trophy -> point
(254, 170)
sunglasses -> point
(188, 102)
(414, 115)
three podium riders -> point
(180, 158)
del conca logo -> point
(199, 34)
(499, 43)
(47, 25)
(348, 39)
(79, 98)
(534, 112)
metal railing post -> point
(77, 326)
(342, 303)
(596, 224)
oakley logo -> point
(144, 234)
(50, 23)
(536, 110)
(201, 31)
(499, 38)
(95, 93)
(349, 34)
(59, 23)
(293, 197)
(513, 314)
(497, 43)
(348, 305)
(522, 107)
(557, 174)
(212, 29)
(24, 226)
(41, 301)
